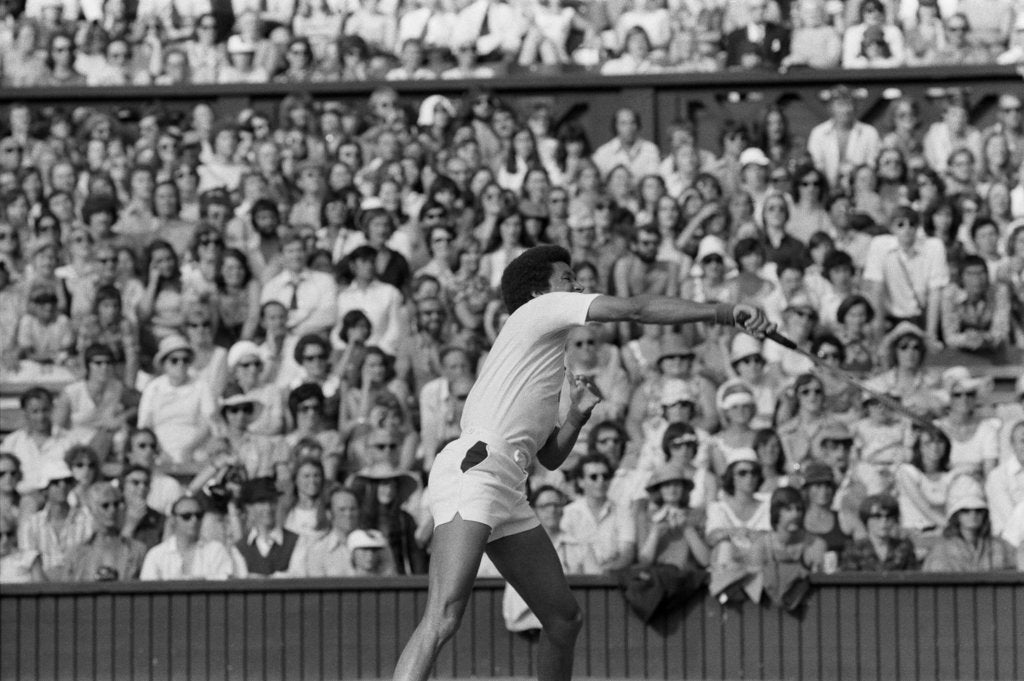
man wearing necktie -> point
(308, 295)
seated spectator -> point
(975, 311)
(96, 408)
(814, 43)
(862, 141)
(45, 337)
(141, 521)
(636, 56)
(748, 362)
(872, 25)
(1004, 487)
(603, 531)
(328, 555)
(785, 557)
(667, 531)
(820, 520)
(810, 415)
(305, 506)
(967, 543)
(175, 406)
(17, 566)
(883, 548)
(39, 441)
(1014, 54)
(922, 486)
(268, 549)
(307, 407)
(927, 36)
(371, 556)
(10, 477)
(991, 21)
(377, 299)
(384, 490)
(735, 521)
(247, 367)
(758, 45)
(108, 555)
(58, 527)
(960, 49)
(184, 555)
(973, 436)
(736, 407)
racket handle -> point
(741, 319)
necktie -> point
(294, 304)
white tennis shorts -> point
(483, 482)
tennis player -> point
(477, 488)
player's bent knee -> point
(563, 627)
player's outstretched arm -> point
(648, 309)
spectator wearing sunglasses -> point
(184, 555)
(108, 555)
(967, 543)
(604, 530)
(974, 437)
(58, 527)
(883, 549)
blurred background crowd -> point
(176, 42)
(234, 344)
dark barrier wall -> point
(707, 98)
(906, 627)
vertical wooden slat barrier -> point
(902, 627)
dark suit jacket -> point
(772, 48)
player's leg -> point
(530, 564)
(457, 547)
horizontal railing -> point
(898, 626)
(707, 98)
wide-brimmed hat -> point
(233, 396)
(711, 245)
(960, 377)
(675, 390)
(170, 344)
(673, 345)
(734, 393)
(743, 346)
(669, 472)
(816, 473)
(366, 539)
(242, 349)
(52, 471)
(964, 493)
(741, 454)
(887, 347)
(831, 430)
(754, 156)
(383, 470)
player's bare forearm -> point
(650, 309)
(558, 447)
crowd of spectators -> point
(245, 339)
(170, 42)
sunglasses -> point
(45, 300)
(963, 394)
(200, 325)
(717, 259)
(810, 183)
(385, 446)
(179, 359)
(586, 343)
(190, 516)
(599, 477)
(111, 504)
(910, 346)
(249, 365)
(240, 408)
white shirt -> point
(176, 414)
(382, 304)
(33, 456)
(599, 536)
(329, 557)
(862, 146)
(1004, 488)
(314, 311)
(906, 278)
(516, 395)
(166, 561)
(642, 158)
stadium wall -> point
(894, 626)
